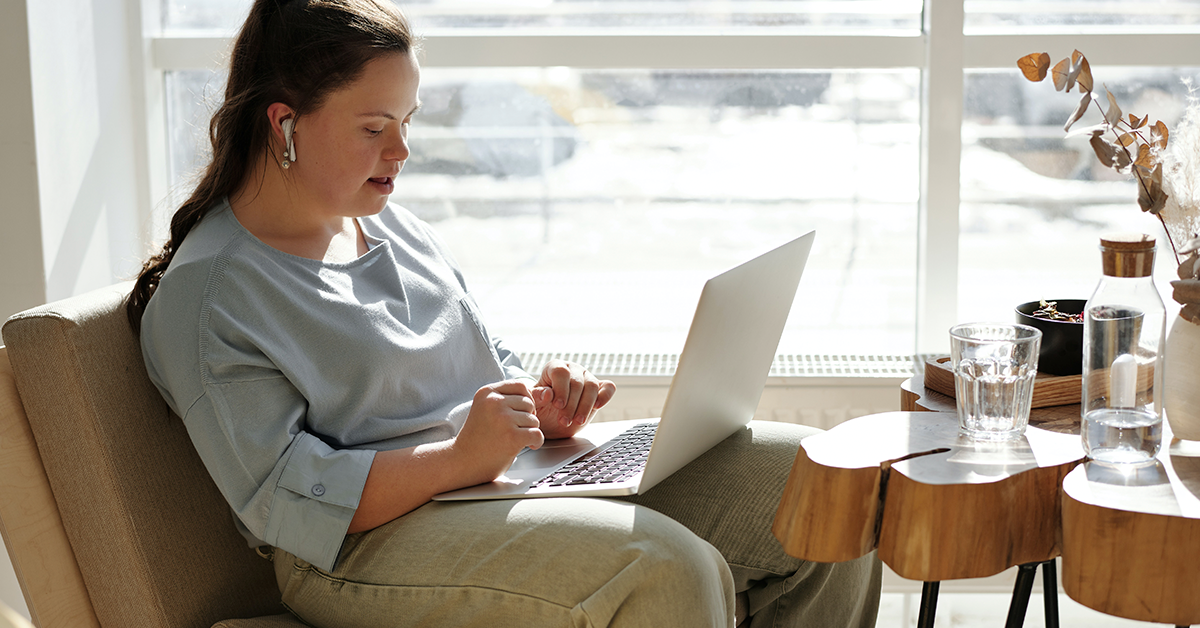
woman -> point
(334, 374)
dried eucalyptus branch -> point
(1181, 172)
(1187, 288)
(1149, 143)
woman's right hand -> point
(500, 424)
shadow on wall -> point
(84, 120)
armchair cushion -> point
(151, 534)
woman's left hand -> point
(567, 395)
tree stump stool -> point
(1131, 540)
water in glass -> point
(994, 396)
(1119, 436)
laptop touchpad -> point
(551, 454)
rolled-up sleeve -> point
(288, 487)
(510, 362)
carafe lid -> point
(1127, 254)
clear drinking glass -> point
(994, 367)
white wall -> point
(22, 278)
(74, 200)
(22, 282)
(73, 207)
(83, 90)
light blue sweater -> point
(290, 373)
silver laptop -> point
(715, 391)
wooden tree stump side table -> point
(937, 506)
(1131, 541)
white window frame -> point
(941, 51)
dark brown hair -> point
(292, 51)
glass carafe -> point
(1124, 328)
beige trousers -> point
(674, 556)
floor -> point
(899, 610)
(990, 610)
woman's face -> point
(351, 149)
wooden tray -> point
(1048, 390)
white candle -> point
(1122, 382)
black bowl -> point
(1062, 341)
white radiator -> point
(816, 390)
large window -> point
(587, 208)
(591, 163)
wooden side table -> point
(937, 506)
(1131, 540)
(915, 397)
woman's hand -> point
(500, 424)
(567, 395)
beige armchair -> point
(107, 513)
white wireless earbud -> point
(289, 153)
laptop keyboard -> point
(621, 460)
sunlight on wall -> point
(85, 128)
(66, 110)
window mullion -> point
(1002, 51)
(458, 49)
(151, 142)
(674, 51)
(941, 150)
